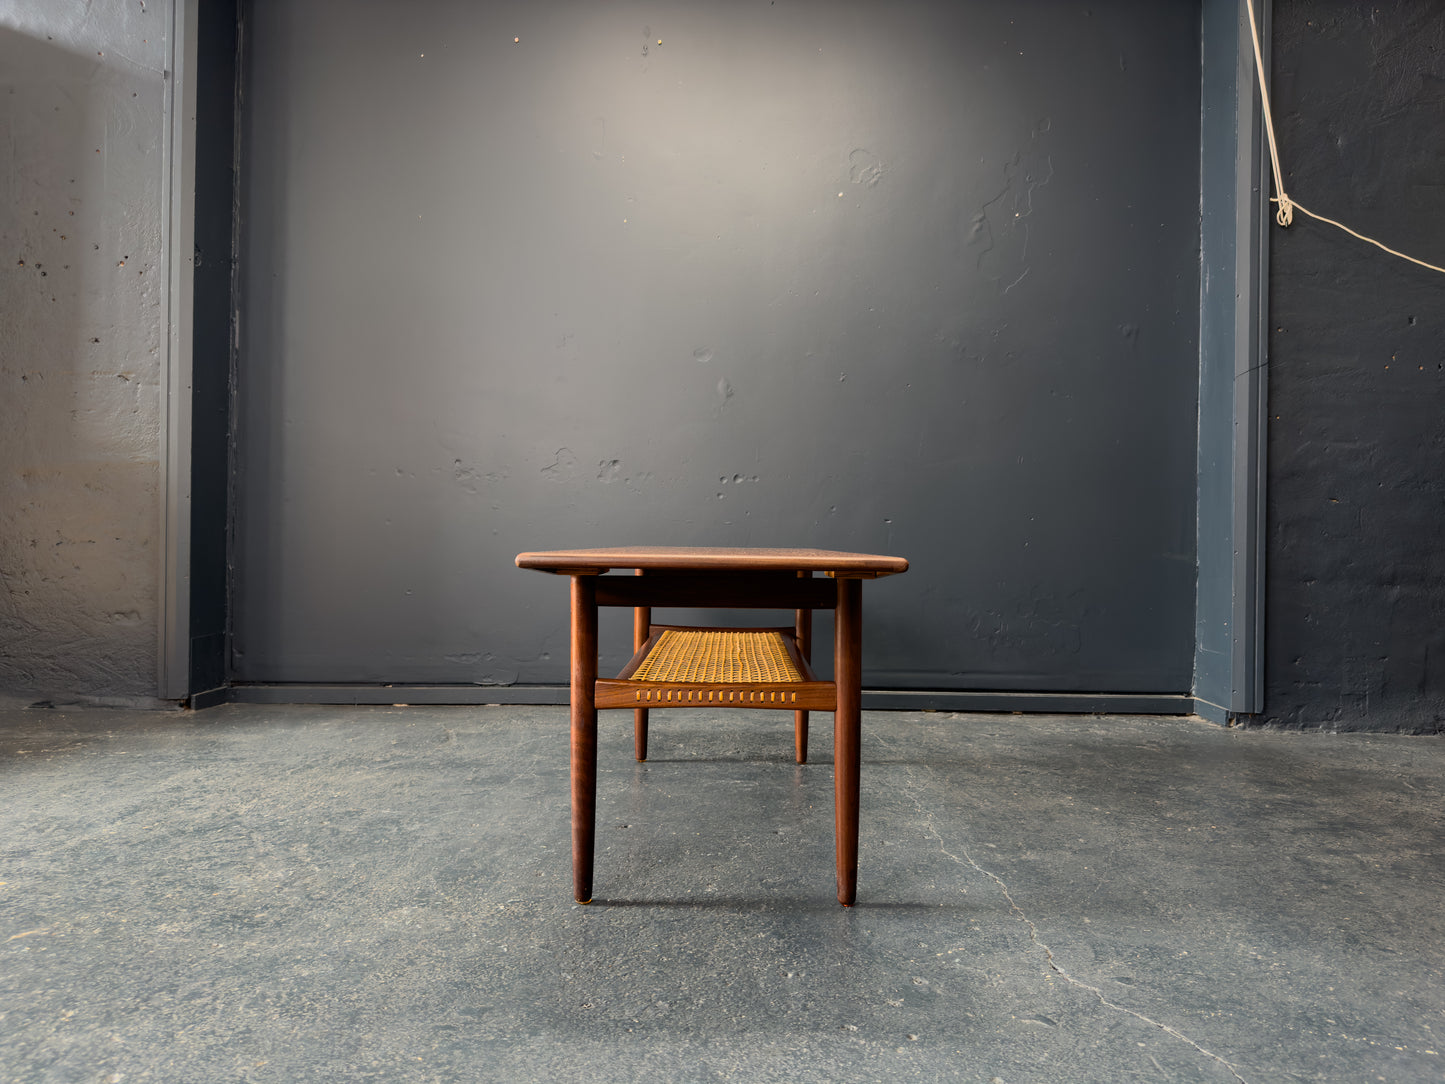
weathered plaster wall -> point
(82, 336)
(1356, 557)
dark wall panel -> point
(1356, 581)
(913, 278)
(217, 35)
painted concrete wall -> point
(917, 278)
(82, 337)
(1356, 563)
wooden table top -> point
(713, 558)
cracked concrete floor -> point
(298, 893)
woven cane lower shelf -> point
(683, 667)
(718, 655)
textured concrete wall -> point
(1356, 563)
(82, 338)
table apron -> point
(719, 590)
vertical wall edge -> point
(178, 197)
(1251, 378)
(1233, 324)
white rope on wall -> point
(1287, 206)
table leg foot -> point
(639, 732)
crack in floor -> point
(1054, 966)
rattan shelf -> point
(682, 666)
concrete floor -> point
(307, 893)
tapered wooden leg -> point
(639, 732)
(847, 732)
(584, 734)
(803, 630)
(641, 622)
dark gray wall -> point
(1356, 600)
(919, 279)
(83, 286)
(212, 384)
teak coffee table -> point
(690, 667)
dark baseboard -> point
(1035, 703)
(211, 698)
(556, 695)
